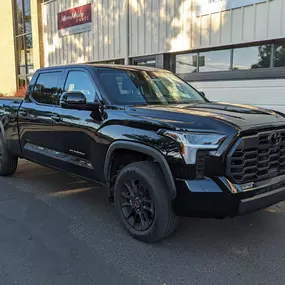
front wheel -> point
(143, 203)
(8, 162)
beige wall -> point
(7, 51)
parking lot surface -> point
(57, 229)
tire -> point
(148, 215)
(8, 162)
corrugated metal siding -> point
(246, 24)
(105, 41)
(173, 25)
(157, 26)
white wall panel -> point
(263, 93)
(215, 26)
(248, 23)
(237, 18)
(261, 24)
(164, 25)
(225, 27)
(274, 18)
(205, 31)
(105, 41)
(257, 22)
(282, 16)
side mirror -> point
(77, 100)
(203, 94)
(70, 99)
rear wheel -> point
(143, 203)
(8, 162)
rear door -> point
(36, 117)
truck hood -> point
(209, 116)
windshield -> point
(147, 87)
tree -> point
(279, 55)
(265, 56)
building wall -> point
(158, 26)
(105, 41)
(263, 93)
(7, 51)
(166, 26)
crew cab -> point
(161, 148)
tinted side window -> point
(80, 81)
(46, 88)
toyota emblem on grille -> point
(275, 138)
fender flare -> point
(148, 150)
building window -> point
(279, 54)
(150, 62)
(218, 60)
(186, 63)
(252, 57)
(116, 61)
(23, 40)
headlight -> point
(192, 142)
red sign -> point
(75, 20)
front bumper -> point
(261, 201)
(219, 198)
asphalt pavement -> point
(56, 229)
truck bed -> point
(10, 103)
(8, 98)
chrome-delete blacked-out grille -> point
(258, 157)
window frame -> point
(33, 100)
(22, 35)
(245, 74)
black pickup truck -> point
(161, 148)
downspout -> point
(127, 27)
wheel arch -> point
(144, 149)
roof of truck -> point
(115, 66)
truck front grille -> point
(258, 157)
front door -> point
(75, 132)
(36, 117)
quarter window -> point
(46, 88)
(80, 81)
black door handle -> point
(56, 118)
(23, 113)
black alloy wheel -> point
(137, 205)
(143, 202)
